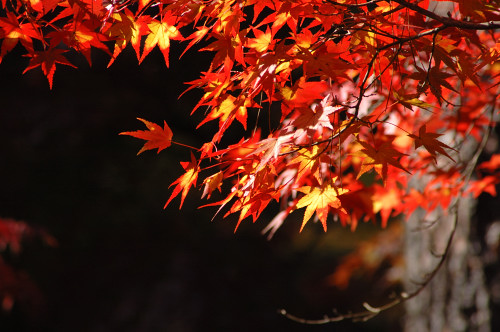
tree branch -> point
(371, 311)
(450, 22)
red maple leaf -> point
(491, 165)
(486, 184)
(431, 144)
(12, 32)
(47, 60)
(156, 137)
(81, 38)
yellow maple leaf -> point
(319, 200)
(211, 183)
(308, 159)
(261, 41)
(366, 38)
(161, 33)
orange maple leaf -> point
(185, 181)
(378, 158)
(196, 37)
(155, 136)
(386, 201)
(319, 200)
(309, 161)
(227, 110)
(431, 144)
(127, 29)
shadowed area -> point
(122, 263)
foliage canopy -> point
(369, 94)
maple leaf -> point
(228, 49)
(226, 111)
(410, 100)
(308, 160)
(47, 61)
(491, 165)
(486, 184)
(413, 200)
(156, 137)
(271, 148)
(366, 38)
(316, 116)
(127, 29)
(12, 32)
(431, 144)
(252, 205)
(43, 6)
(385, 201)
(303, 93)
(263, 77)
(467, 69)
(435, 78)
(196, 37)
(185, 181)
(161, 33)
(81, 38)
(211, 183)
(262, 40)
(276, 223)
(319, 200)
(378, 158)
(143, 3)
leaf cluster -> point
(369, 94)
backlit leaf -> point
(185, 181)
(47, 60)
(319, 201)
(156, 137)
(161, 34)
(430, 143)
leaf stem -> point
(184, 145)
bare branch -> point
(372, 311)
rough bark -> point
(456, 299)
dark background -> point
(122, 263)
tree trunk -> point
(456, 298)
